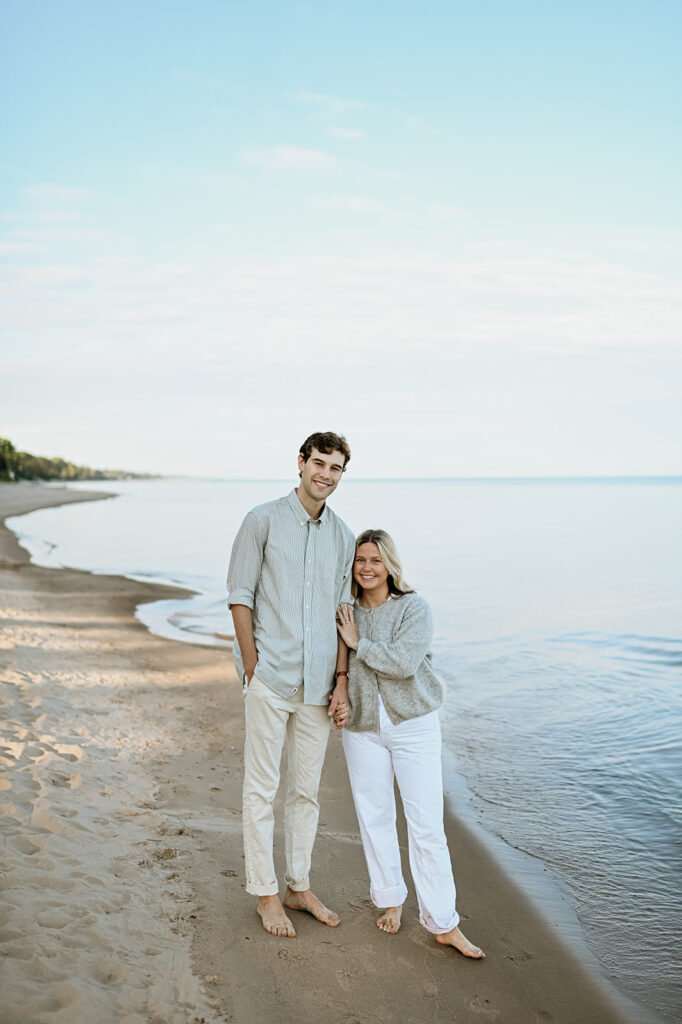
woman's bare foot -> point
(275, 921)
(461, 943)
(308, 902)
(390, 920)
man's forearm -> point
(339, 695)
(340, 692)
(341, 656)
(243, 627)
(341, 676)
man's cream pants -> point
(273, 722)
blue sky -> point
(448, 230)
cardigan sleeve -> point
(401, 658)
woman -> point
(392, 730)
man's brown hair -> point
(326, 442)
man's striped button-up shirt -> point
(293, 572)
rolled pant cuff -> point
(394, 896)
(435, 929)
(297, 886)
(262, 890)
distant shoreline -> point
(673, 479)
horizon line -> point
(669, 477)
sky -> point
(448, 230)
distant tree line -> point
(16, 465)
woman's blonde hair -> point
(389, 555)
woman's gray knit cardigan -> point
(393, 659)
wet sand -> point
(123, 892)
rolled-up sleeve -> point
(246, 559)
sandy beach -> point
(123, 894)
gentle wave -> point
(597, 767)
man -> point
(290, 569)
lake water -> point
(558, 611)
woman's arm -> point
(404, 654)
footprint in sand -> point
(34, 752)
(69, 752)
(45, 821)
(422, 938)
(346, 980)
(430, 988)
(361, 904)
(292, 957)
(53, 918)
(483, 1007)
(65, 781)
(519, 958)
(22, 844)
(108, 970)
(167, 854)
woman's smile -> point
(369, 569)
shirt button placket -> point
(307, 601)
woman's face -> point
(369, 570)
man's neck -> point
(313, 508)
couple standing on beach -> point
(294, 572)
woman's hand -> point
(345, 623)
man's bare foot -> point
(275, 921)
(390, 920)
(307, 901)
(461, 943)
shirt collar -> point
(301, 513)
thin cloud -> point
(21, 249)
(48, 276)
(345, 134)
(57, 235)
(48, 428)
(50, 193)
(446, 211)
(406, 211)
(278, 311)
(333, 105)
(291, 158)
(347, 204)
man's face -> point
(321, 473)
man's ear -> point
(301, 462)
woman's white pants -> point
(410, 752)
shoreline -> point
(158, 749)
